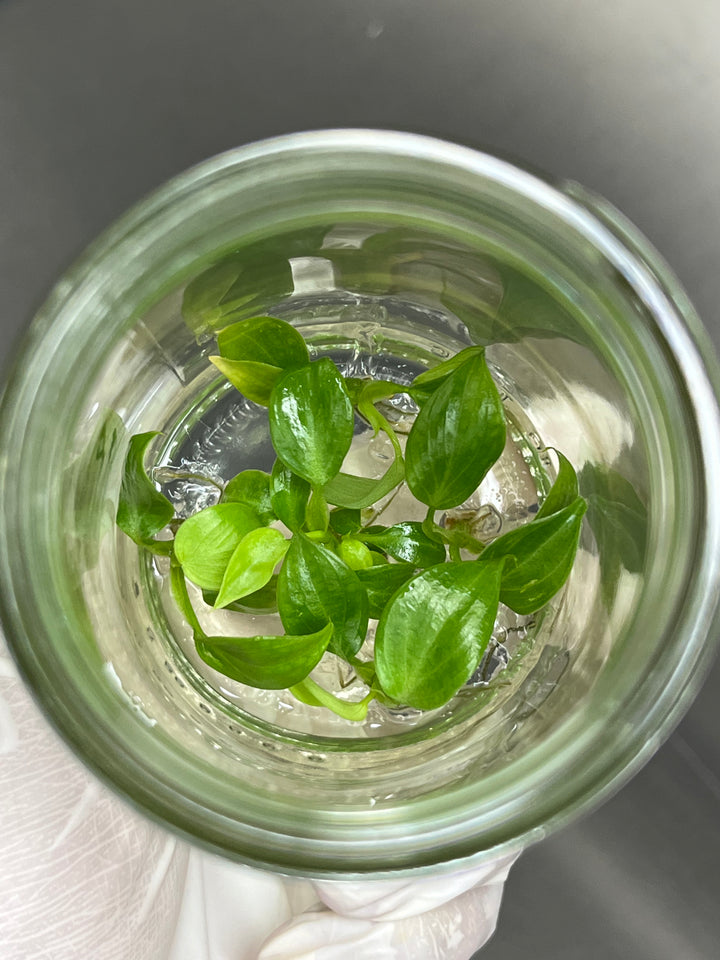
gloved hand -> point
(83, 875)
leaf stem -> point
(182, 599)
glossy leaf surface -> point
(539, 557)
(457, 436)
(316, 587)
(405, 541)
(311, 421)
(271, 663)
(352, 492)
(288, 496)
(434, 631)
(425, 384)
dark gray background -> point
(102, 100)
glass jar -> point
(385, 249)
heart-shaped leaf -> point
(271, 663)
(539, 557)
(142, 510)
(316, 587)
(206, 541)
(457, 436)
(252, 564)
(288, 496)
(311, 421)
(432, 634)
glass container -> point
(389, 252)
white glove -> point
(84, 875)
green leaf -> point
(311, 421)
(344, 521)
(346, 490)
(405, 541)
(271, 663)
(311, 693)
(259, 603)
(142, 510)
(434, 631)
(355, 554)
(288, 496)
(540, 556)
(425, 384)
(265, 340)
(382, 582)
(179, 590)
(254, 380)
(563, 492)
(206, 541)
(251, 487)
(317, 515)
(351, 492)
(252, 564)
(457, 436)
(316, 587)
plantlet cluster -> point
(295, 541)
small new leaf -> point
(251, 487)
(539, 557)
(288, 496)
(206, 541)
(142, 510)
(457, 436)
(271, 663)
(432, 634)
(311, 421)
(316, 587)
(252, 564)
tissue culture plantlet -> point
(302, 541)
